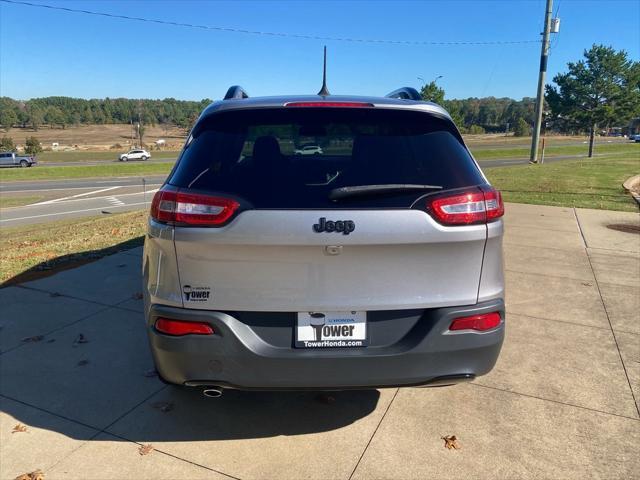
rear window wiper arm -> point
(361, 190)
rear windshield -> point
(295, 157)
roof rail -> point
(235, 91)
(405, 93)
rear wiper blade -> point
(360, 190)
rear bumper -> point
(236, 357)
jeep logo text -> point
(343, 226)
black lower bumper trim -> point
(443, 381)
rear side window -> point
(295, 157)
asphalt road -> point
(83, 183)
(99, 162)
(85, 197)
(81, 202)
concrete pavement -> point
(562, 401)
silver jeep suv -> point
(376, 263)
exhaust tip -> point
(213, 392)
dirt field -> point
(104, 137)
(97, 137)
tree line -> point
(471, 114)
(600, 91)
(60, 112)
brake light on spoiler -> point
(470, 207)
(176, 207)
(329, 104)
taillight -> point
(485, 321)
(479, 205)
(329, 104)
(192, 208)
(179, 328)
(494, 203)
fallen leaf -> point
(19, 428)
(137, 296)
(151, 373)
(163, 406)
(35, 475)
(120, 265)
(51, 340)
(82, 363)
(145, 449)
(36, 338)
(80, 339)
(587, 284)
(451, 442)
(54, 294)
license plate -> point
(331, 330)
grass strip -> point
(584, 183)
(33, 251)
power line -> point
(272, 34)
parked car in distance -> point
(135, 154)
(309, 150)
(635, 138)
(12, 159)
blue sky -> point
(46, 52)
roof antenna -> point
(323, 91)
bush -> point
(32, 146)
(476, 130)
(7, 145)
(522, 128)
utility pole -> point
(544, 55)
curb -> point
(632, 185)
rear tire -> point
(144, 158)
(123, 159)
(24, 163)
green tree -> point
(7, 145)
(54, 116)
(141, 131)
(32, 146)
(36, 117)
(8, 118)
(602, 88)
(476, 130)
(522, 128)
(431, 92)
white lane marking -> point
(64, 202)
(4, 192)
(56, 200)
(69, 212)
(114, 201)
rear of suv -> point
(375, 263)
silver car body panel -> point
(273, 261)
(160, 267)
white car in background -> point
(309, 150)
(136, 154)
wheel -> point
(144, 157)
(317, 153)
(24, 163)
(123, 159)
